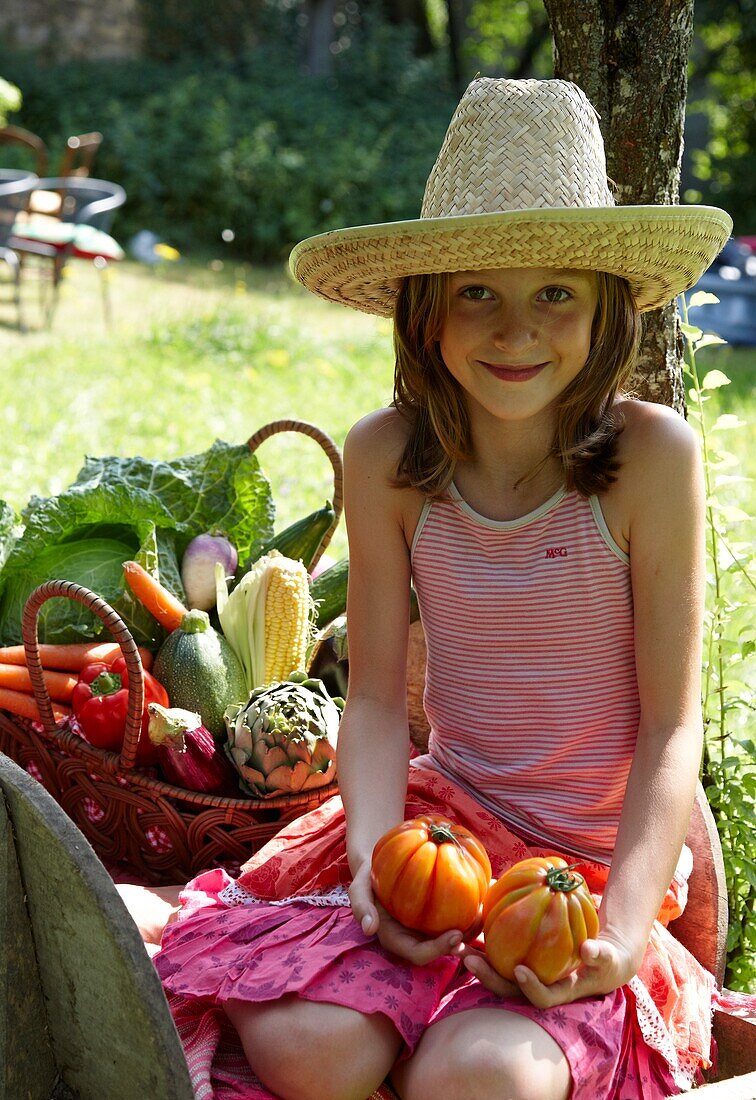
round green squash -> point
(200, 671)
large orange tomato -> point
(431, 875)
(538, 913)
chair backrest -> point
(108, 1027)
(702, 928)
(15, 188)
(85, 201)
(33, 146)
(79, 154)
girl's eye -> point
(476, 293)
(555, 294)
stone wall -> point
(69, 29)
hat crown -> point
(519, 145)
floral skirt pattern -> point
(285, 926)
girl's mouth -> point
(514, 373)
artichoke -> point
(283, 740)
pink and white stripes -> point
(531, 690)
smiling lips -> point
(514, 374)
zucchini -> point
(299, 541)
(200, 671)
(329, 591)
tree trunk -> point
(457, 14)
(413, 12)
(630, 58)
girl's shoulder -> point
(378, 438)
(373, 447)
(653, 434)
(372, 450)
(659, 464)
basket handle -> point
(330, 449)
(120, 632)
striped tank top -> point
(531, 691)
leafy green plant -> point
(253, 145)
(10, 100)
(728, 773)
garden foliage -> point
(728, 773)
(254, 145)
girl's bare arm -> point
(373, 752)
(667, 550)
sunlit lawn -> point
(193, 354)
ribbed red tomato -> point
(431, 875)
(538, 913)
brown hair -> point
(433, 402)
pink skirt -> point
(285, 926)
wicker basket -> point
(161, 832)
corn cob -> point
(267, 618)
(287, 618)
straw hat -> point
(520, 181)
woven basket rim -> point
(96, 759)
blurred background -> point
(282, 118)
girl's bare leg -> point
(488, 1054)
(151, 909)
(304, 1050)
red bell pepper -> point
(100, 703)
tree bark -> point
(630, 58)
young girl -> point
(553, 531)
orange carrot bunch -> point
(60, 666)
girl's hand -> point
(393, 936)
(606, 964)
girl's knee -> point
(509, 1073)
(487, 1064)
(151, 908)
(302, 1050)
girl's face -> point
(515, 338)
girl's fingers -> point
(363, 908)
(598, 974)
(488, 977)
(421, 951)
(592, 950)
(369, 922)
(414, 946)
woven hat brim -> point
(660, 250)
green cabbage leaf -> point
(120, 509)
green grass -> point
(193, 354)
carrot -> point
(158, 600)
(59, 685)
(18, 702)
(73, 657)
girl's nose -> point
(515, 332)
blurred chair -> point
(79, 153)
(32, 149)
(16, 187)
(76, 161)
(80, 230)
